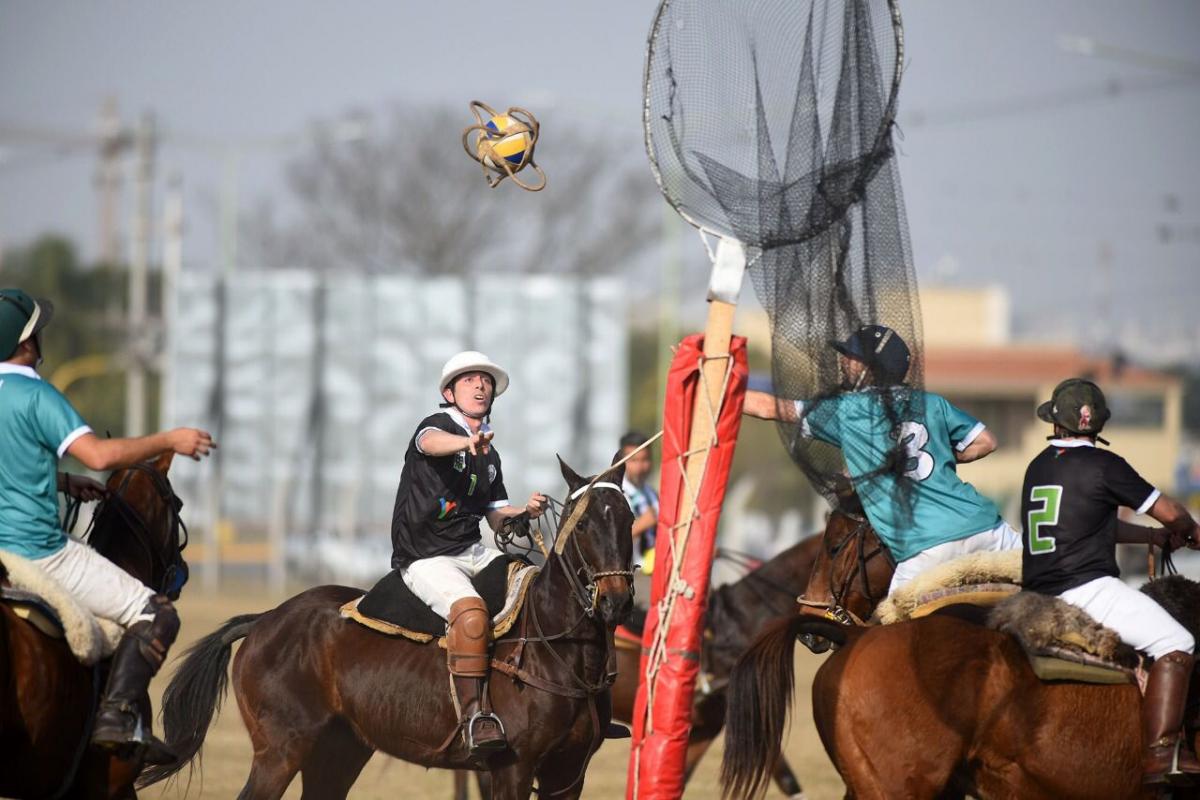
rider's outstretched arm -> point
(107, 454)
(764, 405)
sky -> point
(1023, 164)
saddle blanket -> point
(391, 607)
(90, 638)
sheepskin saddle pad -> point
(1060, 638)
(34, 595)
(980, 579)
(391, 607)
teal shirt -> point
(944, 508)
(37, 425)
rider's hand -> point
(479, 442)
(192, 442)
(536, 505)
(81, 487)
(1193, 540)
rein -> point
(835, 609)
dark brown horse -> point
(47, 697)
(939, 707)
(319, 693)
(737, 613)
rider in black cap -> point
(878, 414)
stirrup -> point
(495, 744)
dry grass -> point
(227, 748)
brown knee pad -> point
(468, 638)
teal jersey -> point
(943, 507)
(37, 425)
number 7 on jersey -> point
(1047, 514)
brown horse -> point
(319, 693)
(939, 707)
(47, 697)
(737, 613)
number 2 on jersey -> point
(1047, 514)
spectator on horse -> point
(644, 502)
(946, 517)
(452, 479)
(1069, 503)
(38, 426)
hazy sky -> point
(1018, 168)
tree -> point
(89, 320)
(407, 199)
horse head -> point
(595, 543)
(850, 575)
(137, 526)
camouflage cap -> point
(1076, 405)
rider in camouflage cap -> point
(1076, 406)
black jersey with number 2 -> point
(1069, 508)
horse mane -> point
(1180, 597)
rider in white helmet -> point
(451, 480)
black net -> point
(770, 122)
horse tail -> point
(194, 695)
(759, 698)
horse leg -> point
(460, 785)
(334, 763)
(484, 782)
(514, 782)
(270, 773)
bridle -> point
(836, 609)
(163, 557)
(587, 594)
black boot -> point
(120, 724)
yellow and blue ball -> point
(505, 137)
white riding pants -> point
(1138, 620)
(1002, 537)
(442, 580)
(99, 585)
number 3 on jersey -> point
(1047, 514)
(913, 436)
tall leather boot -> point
(470, 663)
(119, 723)
(1162, 718)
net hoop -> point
(886, 122)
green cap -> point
(20, 318)
(1076, 405)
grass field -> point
(226, 755)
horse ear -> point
(163, 462)
(574, 481)
(614, 474)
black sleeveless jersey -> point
(1069, 508)
(441, 499)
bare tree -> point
(407, 199)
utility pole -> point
(172, 266)
(138, 340)
(113, 141)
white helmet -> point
(473, 361)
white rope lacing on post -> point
(657, 654)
